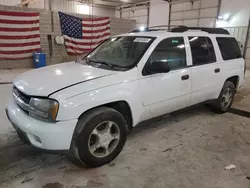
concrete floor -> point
(186, 150)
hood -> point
(44, 81)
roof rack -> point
(181, 29)
(156, 28)
(210, 30)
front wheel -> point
(225, 99)
(99, 137)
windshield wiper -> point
(100, 62)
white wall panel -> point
(185, 6)
(177, 23)
(207, 22)
(126, 14)
(209, 3)
(177, 7)
(141, 19)
(191, 14)
(191, 23)
(177, 15)
(140, 12)
(10, 2)
(209, 12)
(117, 14)
(159, 13)
(196, 5)
(240, 9)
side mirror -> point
(159, 67)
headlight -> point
(44, 109)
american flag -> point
(81, 35)
(19, 34)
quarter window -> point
(229, 48)
(171, 50)
(202, 50)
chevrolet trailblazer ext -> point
(87, 107)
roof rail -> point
(181, 29)
(156, 28)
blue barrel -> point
(39, 59)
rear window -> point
(229, 48)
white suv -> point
(87, 107)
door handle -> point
(217, 70)
(185, 77)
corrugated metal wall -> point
(201, 13)
(10, 2)
(64, 6)
(138, 13)
(71, 6)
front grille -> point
(20, 96)
(23, 96)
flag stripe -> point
(19, 41)
(83, 35)
(96, 28)
(95, 19)
(67, 41)
(85, 40)
(80, 47)
(96, 37)
(19, 18)
(19, 25)
(94, 25)
(19, 34)
(95, 31)
(97, 34)
(19, 37)
(23, 14)
(19, 29)
(96, 22)
(19, 44)
(18, 21)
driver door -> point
(166, 92)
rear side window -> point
(202, 50)
(229, 48)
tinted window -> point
(229, 48)
(202, 50)
(171, 50)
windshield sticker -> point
(146, 40)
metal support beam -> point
(148, 6)
(247, 39)
(169, 15)
(218, 11)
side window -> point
(202, 50)
(171, 50)
(229, 48)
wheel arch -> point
(122, 107)
(234, 80)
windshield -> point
(122, 52)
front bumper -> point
(48, 136)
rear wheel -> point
(225, 100)
(99, 137)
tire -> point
(220, 106)
(94, 133)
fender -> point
(74, 106)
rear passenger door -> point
(205, 69)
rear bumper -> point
(48, 136)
